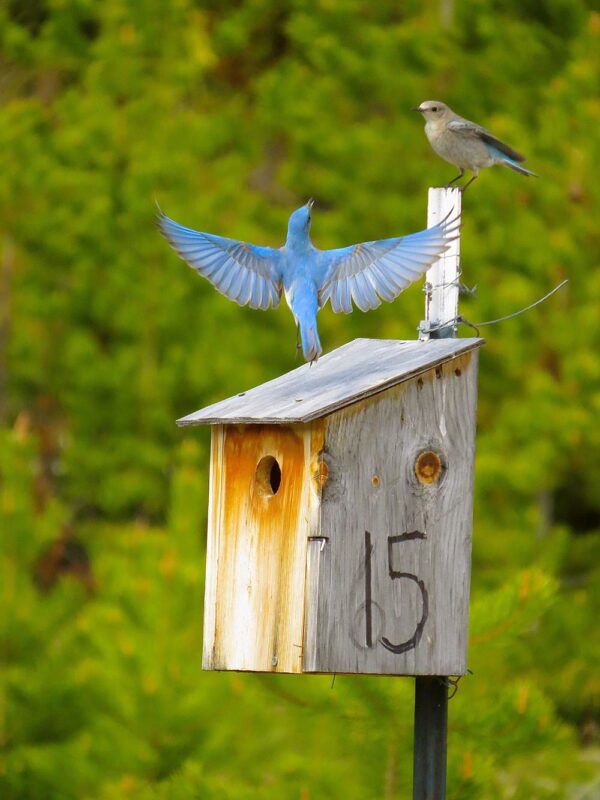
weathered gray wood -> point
(355, 371)
(315, 555)
(372, 493)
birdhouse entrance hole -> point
(268, 476)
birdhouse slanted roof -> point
(350, 373)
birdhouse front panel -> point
(339, 535)
(388, 582)
(263, 509)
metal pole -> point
(431, 725)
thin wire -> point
(523, 310)
(476, 325)
(451, 683)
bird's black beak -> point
(417, 108)
(310, 204)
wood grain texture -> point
(213, 543)
(421, 575)
(257, 543)
(355, 371)
(316, 551)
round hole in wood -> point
(428, 467)
(268, 476)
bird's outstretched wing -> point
(373, 271)
(473, 131)
(245, 273)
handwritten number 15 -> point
(414, 640)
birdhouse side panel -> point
(390, 579)
(263, 509)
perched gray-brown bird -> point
(465, 144)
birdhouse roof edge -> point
(351, 373)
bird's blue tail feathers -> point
(506, 161)
(311, 344)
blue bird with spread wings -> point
(256, 276)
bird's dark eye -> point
(434, 108)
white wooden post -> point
(442, 279)
(441, 312)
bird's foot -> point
(468, 183)
(453, 181)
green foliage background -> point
(231, 114)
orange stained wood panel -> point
(265, 492)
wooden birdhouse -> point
(339, 532)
